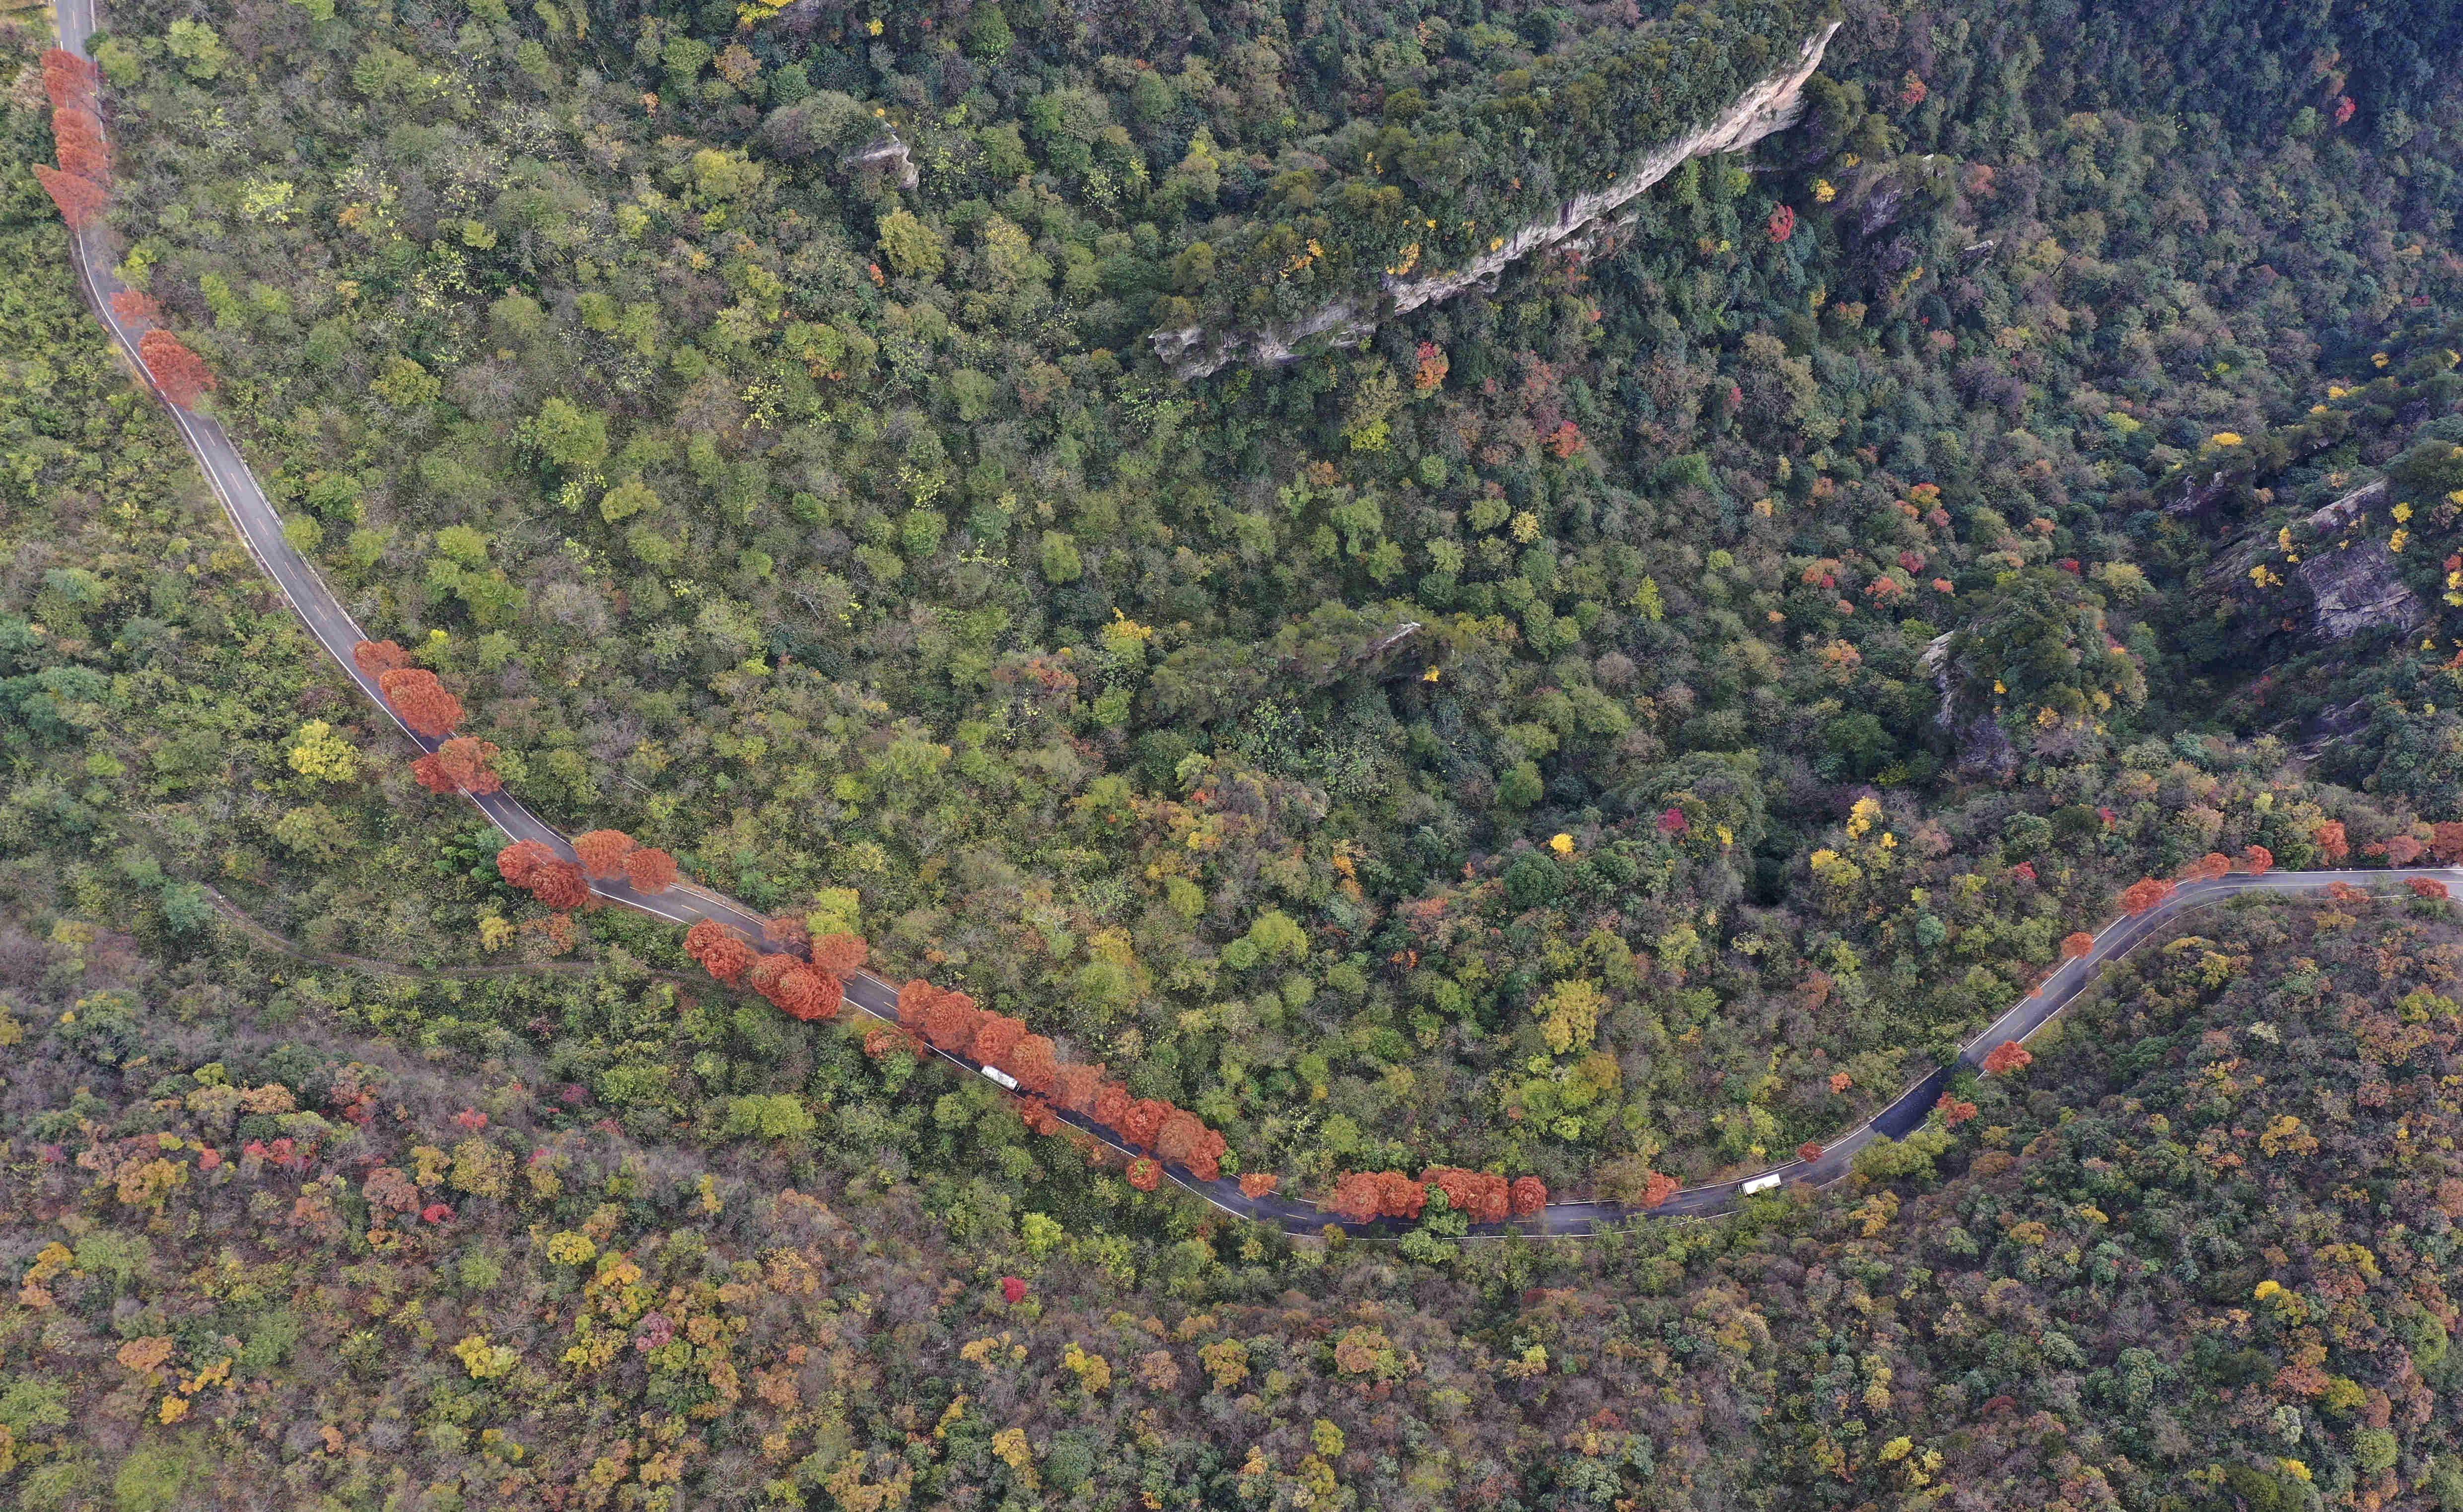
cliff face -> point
(2356, 587)
(2354, 584)
(1769, 106)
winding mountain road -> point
(260, 527)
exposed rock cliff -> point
(1769, 106)
(2353, 581)
(2358, 587)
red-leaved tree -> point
(463, 764)
(2331, 842)
(1364, 1195)
(994, 1038)
(1478, 1195)
(1075, 1086)
(422, 702)
(1530, 1196)
(519, 862)
(1112, 1104)
(134, 307)
(1357, 1197)
(2007, 1058)
(1035, 1065)
(718, 950)
(78, 135)
(1657, 1188)
(81, 203)
(2208, 867)
(71, 81)
(559, 885)
(179, 373)
(1143, 1120)
(839, 955)
(2257, 860)
(947, 1019)
(602, 851)
(376, 657)
(2076, 945)
(650, 870)
(2145, 893)
(795, 988)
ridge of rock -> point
(1770, 106)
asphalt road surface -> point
(260, 527)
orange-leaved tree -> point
(71, 81)
(650, 870)
(602, 851)
(77, 132)
(422, 703)
(376, 657)
(1034, 1063)
(179, 373)
(1142, 1120)
(2332, 844)
(1364, 1195)
(519, 862)
(1530, 1196)
(81, 203)
(535, 868)
(2006, 1058)
(2076, 945)
(1188, 1140)
(2145, 893)
(2257, 860)
(463, 764)
(718, 950)
(1658, 1188)
(134, 306)
(797, 990)
(2208, 867)
(994, 1038)
(560, 886)
(839, 955)
(1075, 1086)
(1478, 1195)
(947, 1019)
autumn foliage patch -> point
(179, 373)
(422, 702)
(463, 764)
(535, 868)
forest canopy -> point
(1608, 729)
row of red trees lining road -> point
(81, 187)
(816, 989)
(947, 1019)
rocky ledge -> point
(1769, 106)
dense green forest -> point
(1621, 722)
